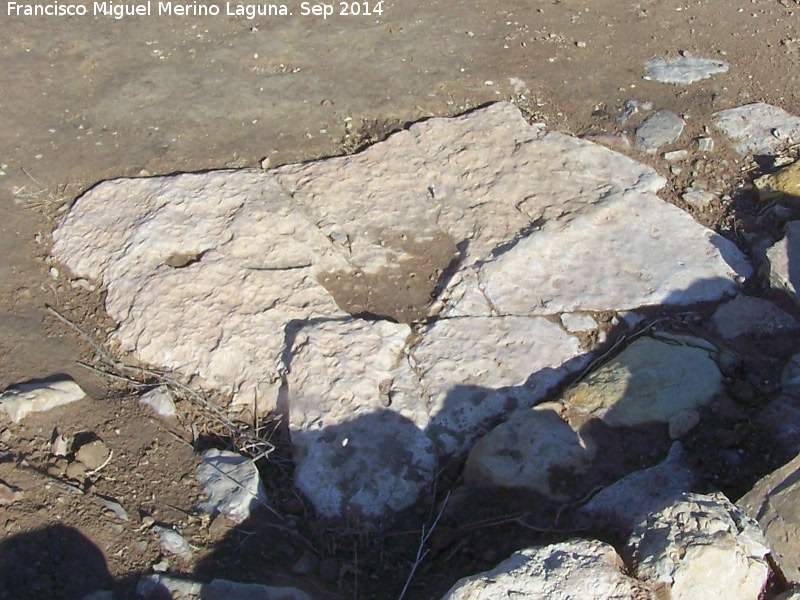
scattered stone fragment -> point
(697, 197)
(784, 261)
(650, 381)
(154, 587)
(759, 128)
(521, 452)
(232, 483)
(75, 470)
(306, 563)
(574, 322)
(9, 494)
(624, 504)
(784, 182)
(660, 128)
(705, 144)
(748, 315)
(675, 155)
(790, 379)
(173, 542)
(774, 502)
(38, 396)
(60, 445)
(615, 139)
(114, 506)
(93, 454)
(630, 108)
(585, 569)
(677, 548)
(161, 401)
(684, 70)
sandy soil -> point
(89, 98)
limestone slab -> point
(38, 396)
(758, 128)
(649, 382)
(684, 70)
(232, 483)
(585, 569)
(678, 548)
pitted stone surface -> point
(683, 70)
(759, 128)
(678, 547)
(585, 569)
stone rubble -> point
(701, 546)
(660, 128)
(38, 396)
(758, 128)
(684, 70)
(585, 569)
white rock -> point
(154, 586)
(759, 128)
(475, 370)
(684, 70)
(232, 483)
(521, 452)
(783, 257)
(173, 542)
(697, 197)
(38, 396)
(160, 401)
(573, 322)
(701, 547)
(649, 382)
(585, 569)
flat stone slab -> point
(774, 502)
(684, 70)
(678, 548)
(784, 261)
(748, 315)
(758, 128)
(232, 483)
(660, 128)
(585, 569)
(649, 382)
(155, 586)
(38, 396)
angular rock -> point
(232, 483)
(678, 548)
(784, 261)
(9, 494)
(748, 315)
(585, 569)
(160, 401)
(624, 504)
(684, 70)
(93, 454)
(660, 128)
(784, 182)
(649, 382)
(173, 542)
(759, 128)
(697, 197)
(521, 452)
(154, 587)
(774, 502)
(38, 396)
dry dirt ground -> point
(90, 98)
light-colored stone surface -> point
(784, 261)
(700, 547)
(624, 504)
(748, 315)
(578, 322)
(93, 455)
(650, 381)
(38, 396)
(697, 197)
(154, 586)
(660, 128)
(774, 502)
(173, 542)
(585, 569)
(160, 401)
(759, 128)
(232, 483)
(521, 452)
(683, 70)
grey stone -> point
(585, 569)
(38, 396)
(521, 452)
(705, 144)
(697, 197)
(650, 381)
(93, 454)
(306, 563)
(573, 322)
(624, 504)
(780, 421)
(160, 401)
(684, 70)
(677, 549)
(774, 502)
(748, 315)
(660, 128)
(232, 483)
(675, 155)
(219, 589)
(790, 379)
(758, 128)
(173, 542)
(784, 261)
